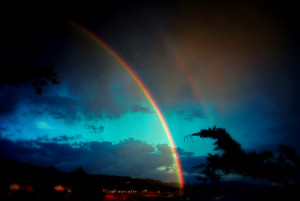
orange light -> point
(59, 188)
(29, 188)
(14, 187)
(109, 197)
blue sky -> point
(243, 56)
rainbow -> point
(144, 89)
(183, 67)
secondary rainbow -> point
(192, 80)
(146, 92)
(182, 66)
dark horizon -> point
(23, 181)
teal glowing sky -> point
(233, 66)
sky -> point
(229, 64)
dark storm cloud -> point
(57, 106)
(61, 107)
(65, 138)
(8, 102)
(191, 114)
(2, 129)
(183, 153)
(94, 128)
(56, 114)
(139, 108)
(129, 157)
(48, 32)
(59, 139)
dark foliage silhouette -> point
(281, 167)
(20, 67)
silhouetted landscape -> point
(21, 181)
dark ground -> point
(27, 182)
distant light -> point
(29, 188)
(109, 197)
(59, 188)
(14, 187)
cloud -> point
(183, 153)
(60, 139)
(2, 129)
(94, 129)
(128, 157)
(8, 101)
(139, 108)
(191, 114)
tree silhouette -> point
(19, 67)
(281, 167)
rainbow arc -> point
(145, 91)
